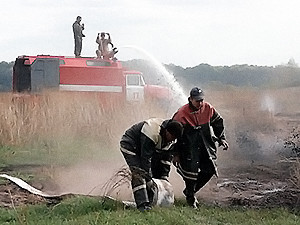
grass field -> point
(84, 210)
(73, 140)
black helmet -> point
(197, 94)
(173, 127)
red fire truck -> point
(86, 74)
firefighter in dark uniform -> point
(78, 35)
(197, 152)
(147, 148)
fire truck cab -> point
(107, 77)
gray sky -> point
(186, 33)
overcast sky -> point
(185, 33)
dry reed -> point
(29, 119)
(120, 178)
(59, 117)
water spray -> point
(177, 91)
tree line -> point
(203, 74)
(237, 75)
(6, 75)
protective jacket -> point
(147, 157)
(202, 128)
(144, 141)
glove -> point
(224, 143)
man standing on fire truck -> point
(146, 147)
(78, 35)
(196, 155)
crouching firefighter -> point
(147, 148)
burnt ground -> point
(255, 186)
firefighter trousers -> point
(141, 181)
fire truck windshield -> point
(135, 80)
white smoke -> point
(268, 104)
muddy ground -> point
(252, 186)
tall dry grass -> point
(254, 130)
(31, 119)
(74, 135)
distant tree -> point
(292, 63)
(6, 76)
(236, 75)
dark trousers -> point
(207, 170)
(78, 46)
(192, 186)
(139, 180)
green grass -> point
(26, 162)
(87, 210)
(56, 152)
